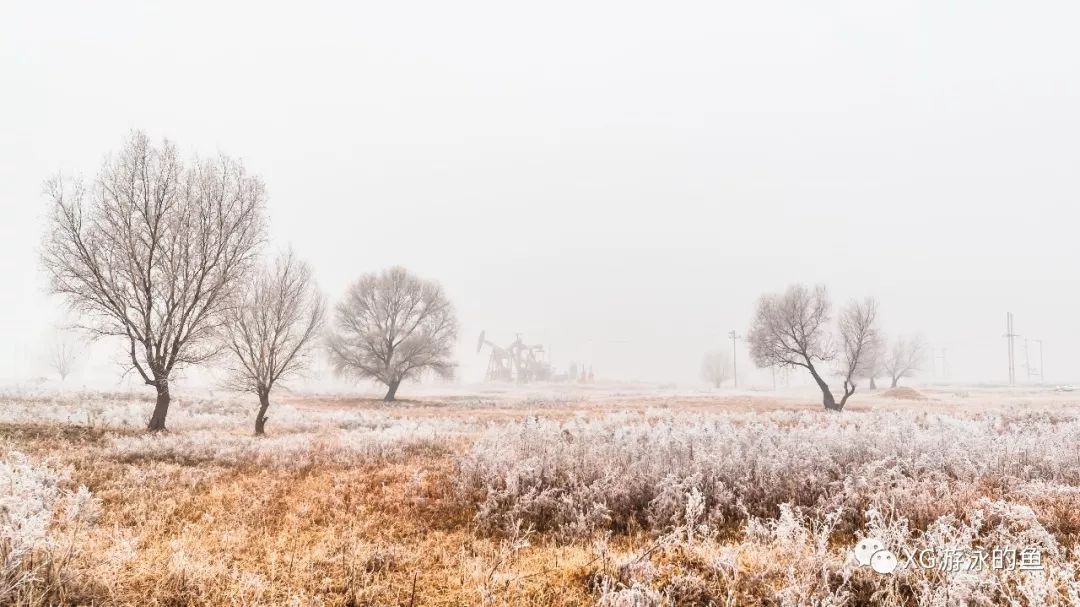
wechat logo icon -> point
(872, 552)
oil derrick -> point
(519, 362)
(500, 363)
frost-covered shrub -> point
(290, 450)
(638, 470)
(226, 414)
(118, 410)
(790, 560)
(28, 498)
(688, 589)
(634, 596)
(31, 500)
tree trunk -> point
(849, 389)
(260, 419)
(827, 398)
(161, 408)
(392, 391)
(895, 380)
(873, 384)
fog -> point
(618, 181)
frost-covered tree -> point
(393, 326)
(860, 340)
(153, 251)
(792, 329)
(64, 354)
(271, 329)
(875, 358)
(903, 358)
(716, 367)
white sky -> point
(617, 180)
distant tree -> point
(64, 354)
(153, 252)
(875, 356)
(903, 358)
(860, 342)
(393, 326)
(271, 329)
(791, 329)
(716, 367)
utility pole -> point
(1010, 336)
(734, 355)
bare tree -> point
(791, 329)
(393, 326)
(272, 328)
(64, 354)
(716, 367)
(153, 251)
(903, 358)
(860, 339)
(874, 356)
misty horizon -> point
(623, 202)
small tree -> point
(272, 328)
(64, 354)
(860, 339)
(903, 358)
(153, 252)
(716, 367)
(874, 356)
(393, 326)
(791, 329)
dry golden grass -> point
(368, 535)
(388, 532)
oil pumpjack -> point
(519, 362)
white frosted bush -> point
(31, 500)
(634, 596)
(290, 450)
(231, 414)
(792, 554)
(119, 411)
(28, 498)
(635, 470)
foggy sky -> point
(616, 180)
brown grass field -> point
(319, 524)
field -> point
(544, 497)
